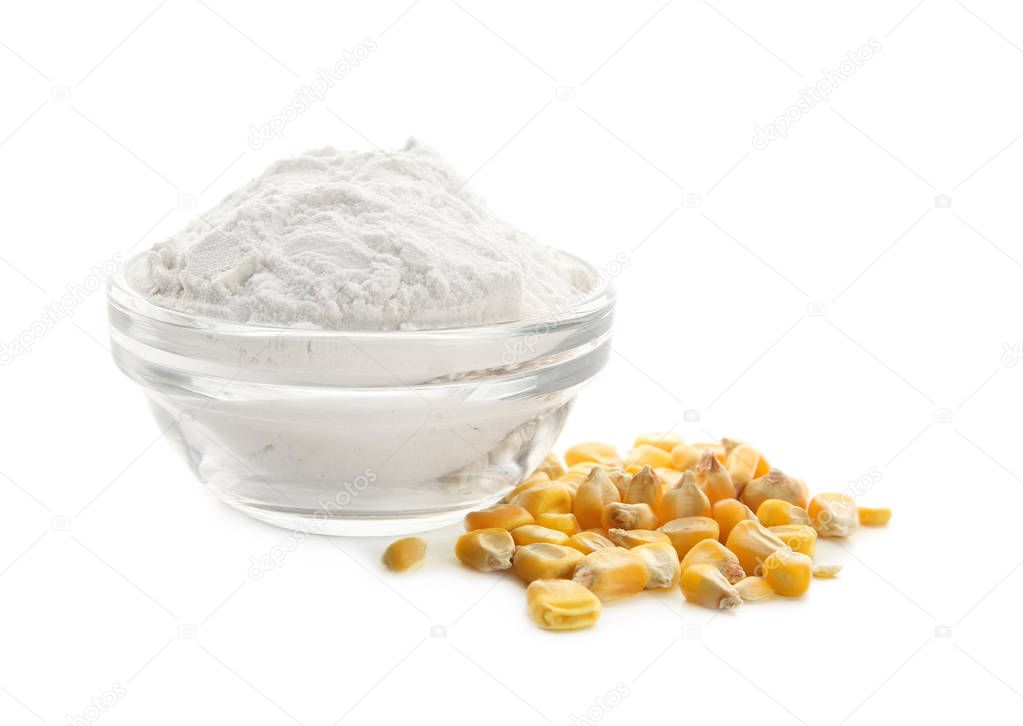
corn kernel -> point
(774, 485)
(647, 455)
(685, 532)
(787, 572)
(684, 457)
(603, 454)
(621, 480)
(826, 572)
(551, 466)
(561, 605)
(799, 537)
(666, 441)
(645, 488)
(753, 588)
(752, 543)
(404, 554)
(705, 585)
(661, 562)
(711, 552)
(715, 448)
(587, 542)
(628, 516)
(542, 561)
(636, 537)
(833, 515)
(573, 479)
(612, 573)
(713, 478)
(741, 462)
(533, 481)
(545, 498)
(504, 516)
(685, 500)
(776, 512)
(533, 533)
(874, 516)
(486, 549)
(566, 523)
(729, 512)
(591, 498)
(669, 477)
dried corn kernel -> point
(661, 562)
(573, 479)
(752, 543)
(486, 549)
(874, 516)
(612, 573)
(713, 479)
(618, 515)
(705, 585)
(404, 554)
(645, 488)
(553, 497)
(776, 512)
(666, 441)
(717, 449)
(685, 500)
(505, 516)
(741, 462)
(533, 533)
(826, 571)
(787, 572)
(833, 515)
(799, 537)
(647, 455)
(561, 605)
(684, 457)
(603, 454)
(636, 537)
(551, 466)
(729, 512)
(591, 498)
(587, 542)
(566, 523)
(711, 552)
(621, 480)
(545, 561)
(753, 588)
(669, 477)
(685, 532)
(533, 481)
(774, 485)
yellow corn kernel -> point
(533, 481)
(661, 562)
(753, 588)
(713, 478)
(633, 469)
(561, 605)
(729, 512)
(505, 516)
(486, 549)
(741, 462)
(666, 441)
(787, 572)
(774, 485)
(685, 532)
(705, 585)
(545, 498)
(566, 523)
(533, 533)
(874, 516)
(715, 448)
(543, 561)
(684, 457)
(636, 537)
(776, 512)
(404, 554)
(587, 542)
(752, 543)
(826, 572)
(628, 516)
(645, 488)
(621, 480)
(711, 552)
(669, 477)
(591, 497)
(573, 479)
(612, 573)
(551, 466)
(603, 454)
(799, 537)
(833, 515)
(647, 455)
(685, 500)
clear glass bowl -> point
(360, 432)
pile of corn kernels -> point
(714, 518)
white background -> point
(810, 297)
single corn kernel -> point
(787, 572)
(645, 488)
(715, 448)
(666, 441)
(776, 512)
(684, 457)
(587, 542)
(573, 479)
(833, 515)
(404, 554)
(874, 516)
(618, 515)
(636, 537)
(621, 480)
(826, 572)
(647, 455)
(685, 500)
(741, 462)
(670, 477)
(775, 485)
(713, 478)
(729, 512)
(561, 605)
(592, 496)
(753, 588)
(551, 466)
(566, 523)
(553, 497)
(603, 454)
(752, 543)
(685, 532)
(533, 481)
(486, 549)
(533, 533)
(612, 573)
(542, 561)
(504, 516)
(799, 537)
(705, 585)
(661, 562)
(711, 552)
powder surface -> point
(357, 241)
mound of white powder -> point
(357, 241)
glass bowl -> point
(360, 433)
